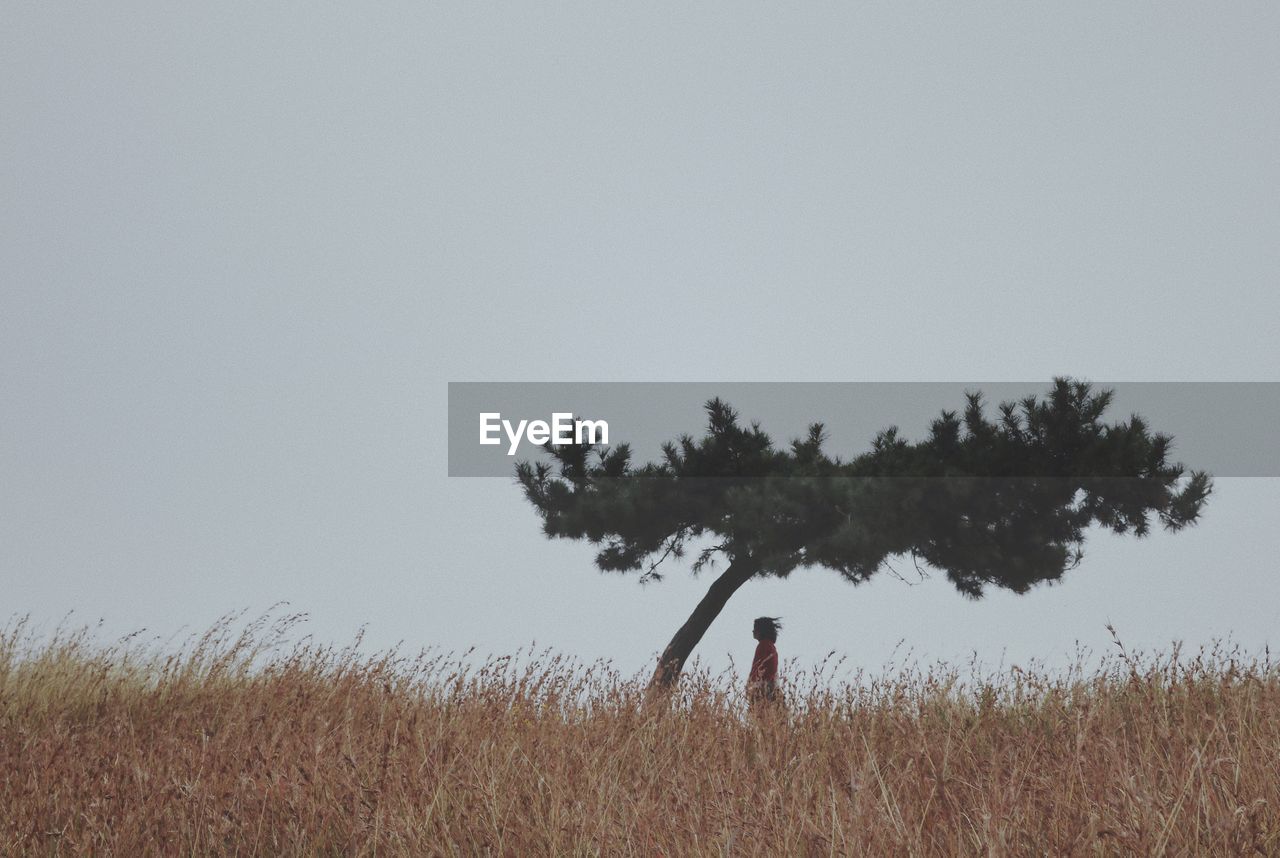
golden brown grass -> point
(241, 745)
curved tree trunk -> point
(678, 651)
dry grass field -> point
(240, 744)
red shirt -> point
(765, 663)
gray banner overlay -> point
(1230, 429)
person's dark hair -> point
(767, 627)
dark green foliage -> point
(1003, 501)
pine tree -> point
(999, 502)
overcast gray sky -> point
(244, 247)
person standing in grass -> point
(762, 683)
